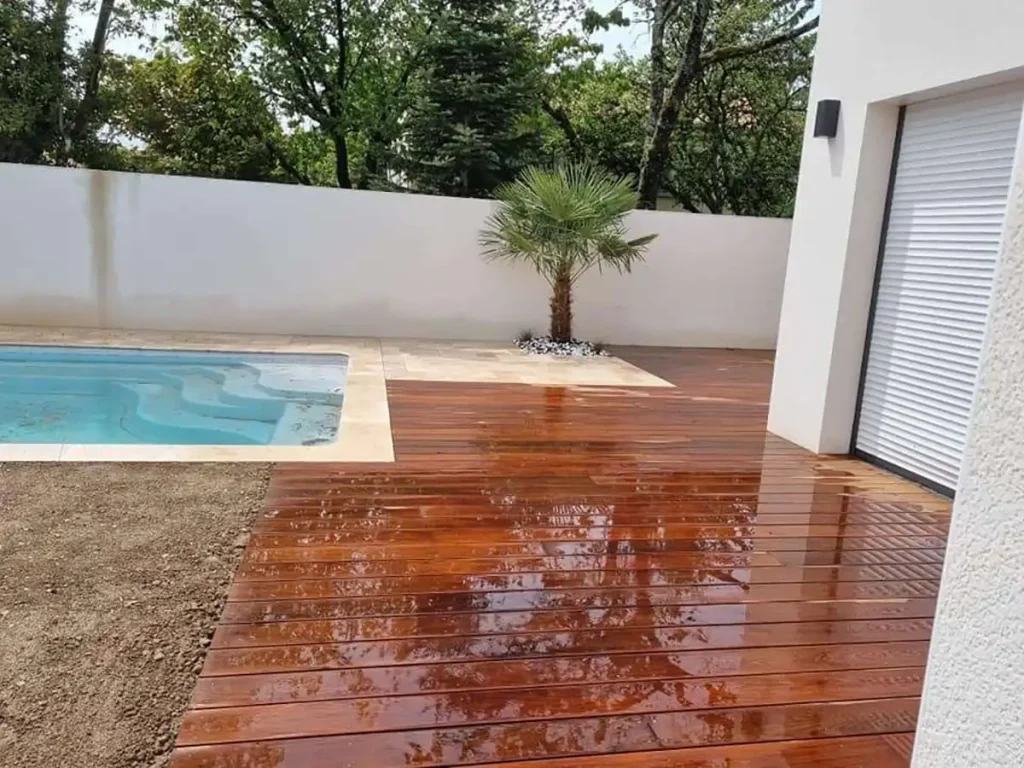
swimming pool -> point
(142, 396)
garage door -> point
(944, 222)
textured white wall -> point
(973, 709)
(872, 55)
(137, 251)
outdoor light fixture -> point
(827, 121)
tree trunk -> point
(667, 98)
(59, 129)
(659, 66)
(341, 160)
(93, 69)
(667, 101)
(371, 174)
(655, 159)
(561, 308)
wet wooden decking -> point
(585, 577)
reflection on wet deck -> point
(578, 577)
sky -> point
(634, 39)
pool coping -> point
(364, 433)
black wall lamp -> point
(826, 123)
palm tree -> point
(563, 222)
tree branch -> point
(340, 78)
(286, 164)
(561, 117)
(274, 23)
(741, 51)
(663, 12)
(664, 122)
(93, 68)
(402, 82)
(690, 64)
(385, 7)
(60, 31)
(357, 63)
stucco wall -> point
(973, 708)
(872, 55)
(134, 251)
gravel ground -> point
(545, 345)
(111, 579)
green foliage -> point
(738, 145)
(52, 107)
(196, 118)
(563, 222)
(468, 130)
(440, 96)
(605, 104)
(312, 155)
(593, 20)
(339, 67)
(31, 50)
(689, 39)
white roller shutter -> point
(945, 223)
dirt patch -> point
(111, 579)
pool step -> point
(161, 411)
(204, 393)
(240, 385)
(241, 394)
(314, 383)
(307, 424)
(188, 404)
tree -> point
(563, 223)
(51, 101)
(568, 60)
(194, 110)
(600, 118)
(442, 96)
(738, 146)
(196, 119)
(314, 57)
(467, 132)
(91, 68)
(688, 37)
(31, 80)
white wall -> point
(136, 251)
(973, 708)
(872, 55)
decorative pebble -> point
(545, 345)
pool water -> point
(84, 395)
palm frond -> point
(564, 221)
(642, 242)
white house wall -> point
(169, 253)
(872, 55)
(972, 713)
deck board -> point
(578, 576)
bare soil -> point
(111, 579)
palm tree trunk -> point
(561, 308)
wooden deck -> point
(578, 577)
